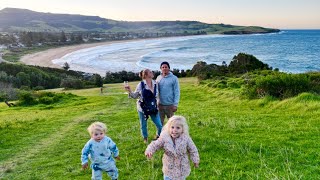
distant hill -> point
(13, 19)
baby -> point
(100, 149)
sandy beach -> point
(44, 58)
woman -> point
(149, 85)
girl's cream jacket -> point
(175, 160)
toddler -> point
(177, 144)
(100, 149)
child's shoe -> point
(145, 140)
(156, 137)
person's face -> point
(175, 130)
(97, 135)
(165, 69)
(150, 74)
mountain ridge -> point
(14, 19)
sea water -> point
(294, 51)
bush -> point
(315, 81)
(27, 98)
(233, 84)
(38, 88)
(7, 92)
(72, 83)
(46, 100)
(243, 63)
(3, 96)
(280, 85)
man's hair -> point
(165, 62)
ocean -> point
(293, 51)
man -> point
(169, 92)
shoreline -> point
(44, 58)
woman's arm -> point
(137, 93)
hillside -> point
(12, 20)
(236, 138)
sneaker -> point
(145, 140)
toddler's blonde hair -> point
(178, 120)
(97, 126)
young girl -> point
(100, 149)
(177, 144)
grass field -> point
(236, 138)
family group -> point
(156, 99)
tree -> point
(7, 92)
(72, 83)
(66, 66)
(79, 38)
(23, 79)
(72, 38)
(243, 63)
(63, 37)
(196, 69)
(98, 80)
(26, 38)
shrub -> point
(243, 63)
(3, 96)
(233, 84)
(72, 83)
(7, 92)
(38, 88)
(46, 100)
(27, 98)
(315, 81)
(279, 85)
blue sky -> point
(283, 14)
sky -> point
(281, 14)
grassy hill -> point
(13, 19)
(236, 138)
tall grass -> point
(236, 138)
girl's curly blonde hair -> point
(177, 120)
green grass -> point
(236, 138)
(15, 56)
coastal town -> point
(16, 40)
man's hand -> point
(117, 158)
(174, 108)
(85, 166)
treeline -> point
(240, 64)
(35, 39)
(256, 79)
(117, 77)
(29, 39)
(24, 77)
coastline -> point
(44, 58)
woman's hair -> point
(178, 120)
(143, 74)
(97, 126)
